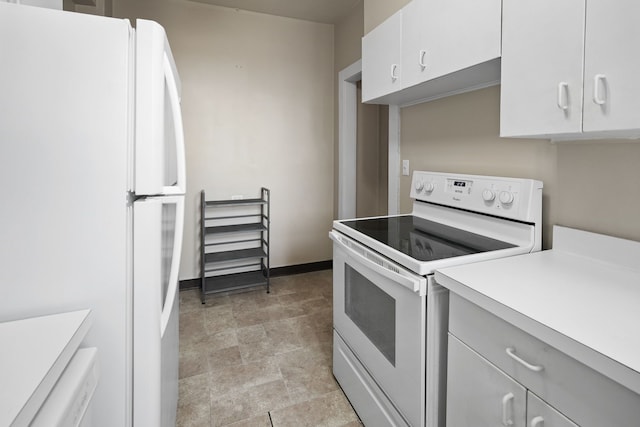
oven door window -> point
(372, 310)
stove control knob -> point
(488, 195)
(506, 197)
(429, 187)
(419, 186)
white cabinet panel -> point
(542, 67)
(441, 37)
(539, 414)
(478, 393)
(435, 48)
(568, 70)
(587, 397)
(381, 57)
(414, 21)
(612, 65)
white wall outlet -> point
(405, 167)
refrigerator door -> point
(157, 243)
(159, 148)
(64, 139)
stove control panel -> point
(514, 198)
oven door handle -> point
(379, 265)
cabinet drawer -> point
(582, 394)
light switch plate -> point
(405, 167)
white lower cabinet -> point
(499, 375)
(478, 393)
(540, 414)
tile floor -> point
(256, 359)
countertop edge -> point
(601, 363)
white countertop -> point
(587, 308)
(33, 354)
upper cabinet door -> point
(542, 57)
(441, 37)
(612, 66)
(381, 57)
(414, 22)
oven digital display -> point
(459, 186)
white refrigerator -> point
(92, 172)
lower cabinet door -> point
(479, 394)
(540, 414)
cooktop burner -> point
(424, 240)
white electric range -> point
(390, 315)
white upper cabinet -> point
(442, 37)
(381, 58)
(444, 48)
(612, 66)
(542, 56)
(568, 71)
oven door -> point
(379, 311)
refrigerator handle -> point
(170, 298)
(174, 99)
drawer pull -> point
(507, 409)
(537, 422)
(511, 352)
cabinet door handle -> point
(421, 56)
(507, 409)
(394, 67)
(537, 422)
(563, 96)
(599, 81)
(511, 352)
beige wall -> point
(371, 159)
(599, 187)
(587, 185)
(347, 49)
(460, 134)
(591, 185)
(371, 156)
(348, 38)
(258, 110)
(376, 11)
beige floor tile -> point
(262, 420)
(330, 410)
(248, 403)
(194, 405)
(256, 359)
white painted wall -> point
(258, 109)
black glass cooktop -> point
(425, 240)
